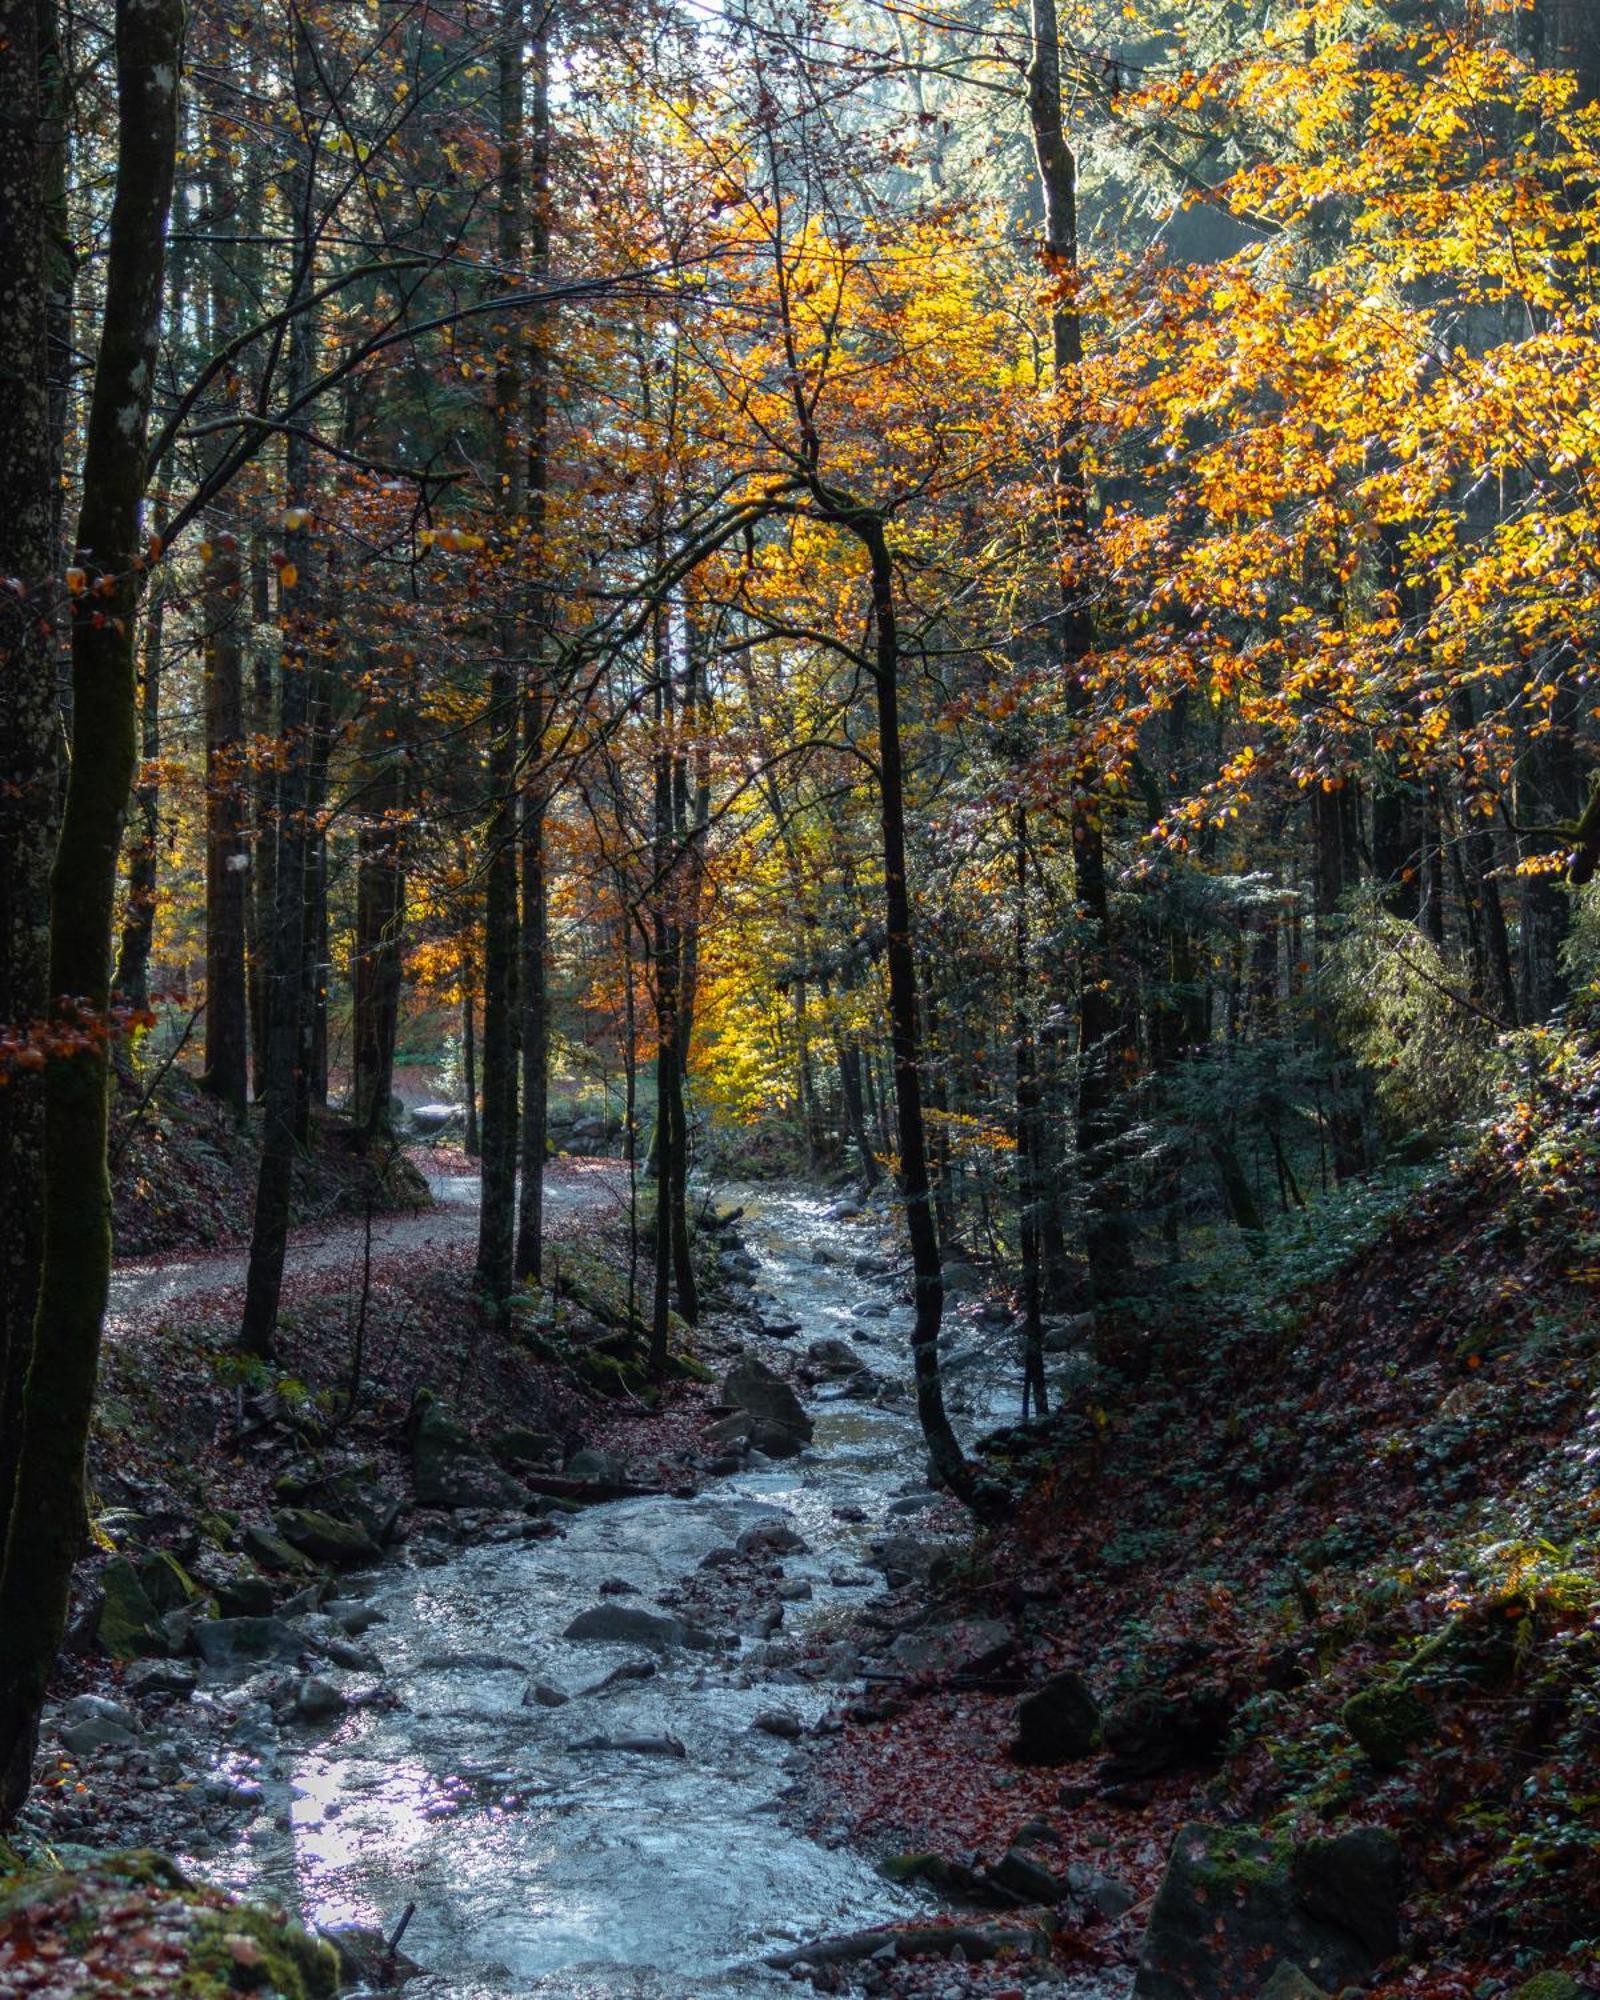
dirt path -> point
(145, 1290)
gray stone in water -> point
(479, 1661)
(542, 1695)
(771, 1538)
(629, 1672)
(316, 1699)
(1066, 1335)
(903, 1555)
(354, 1614)
(627, 1624)
(665, 1745)
(752, 1386)
(833, 1357)
(337, 1646)
(794, 1590)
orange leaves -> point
(453, 541)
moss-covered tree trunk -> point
(29, 759)
(46, 1528)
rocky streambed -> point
(575, 1755)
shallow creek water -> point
(539, 1867)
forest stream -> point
(539, 1863)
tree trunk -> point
(132, 976)
(1035, 1394)
(46, 1527)
(380, 917)
(535, 911)
(263, 874)
(227, 1055)
(284, 980)
(1104, 1037)
(944, 1449)
(500, 1138)
(29, 729)
(469, 1072)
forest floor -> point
(1324, 1547)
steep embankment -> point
(184, 1171)
(1324, 1555)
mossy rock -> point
(129, 1625)
(324, 1538)
(218, 1946)
(249, 1949)
(1290, 1983)
(1386, 1720)
(609, 1374)
(1235, 1905)
(688, 1369)
(601, 1289)
(167, 1584)
(945, 1877)
(272, 1553)
(1549, 1986)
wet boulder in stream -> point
(832, 1357)
(763, 1395)
(629, 1625)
